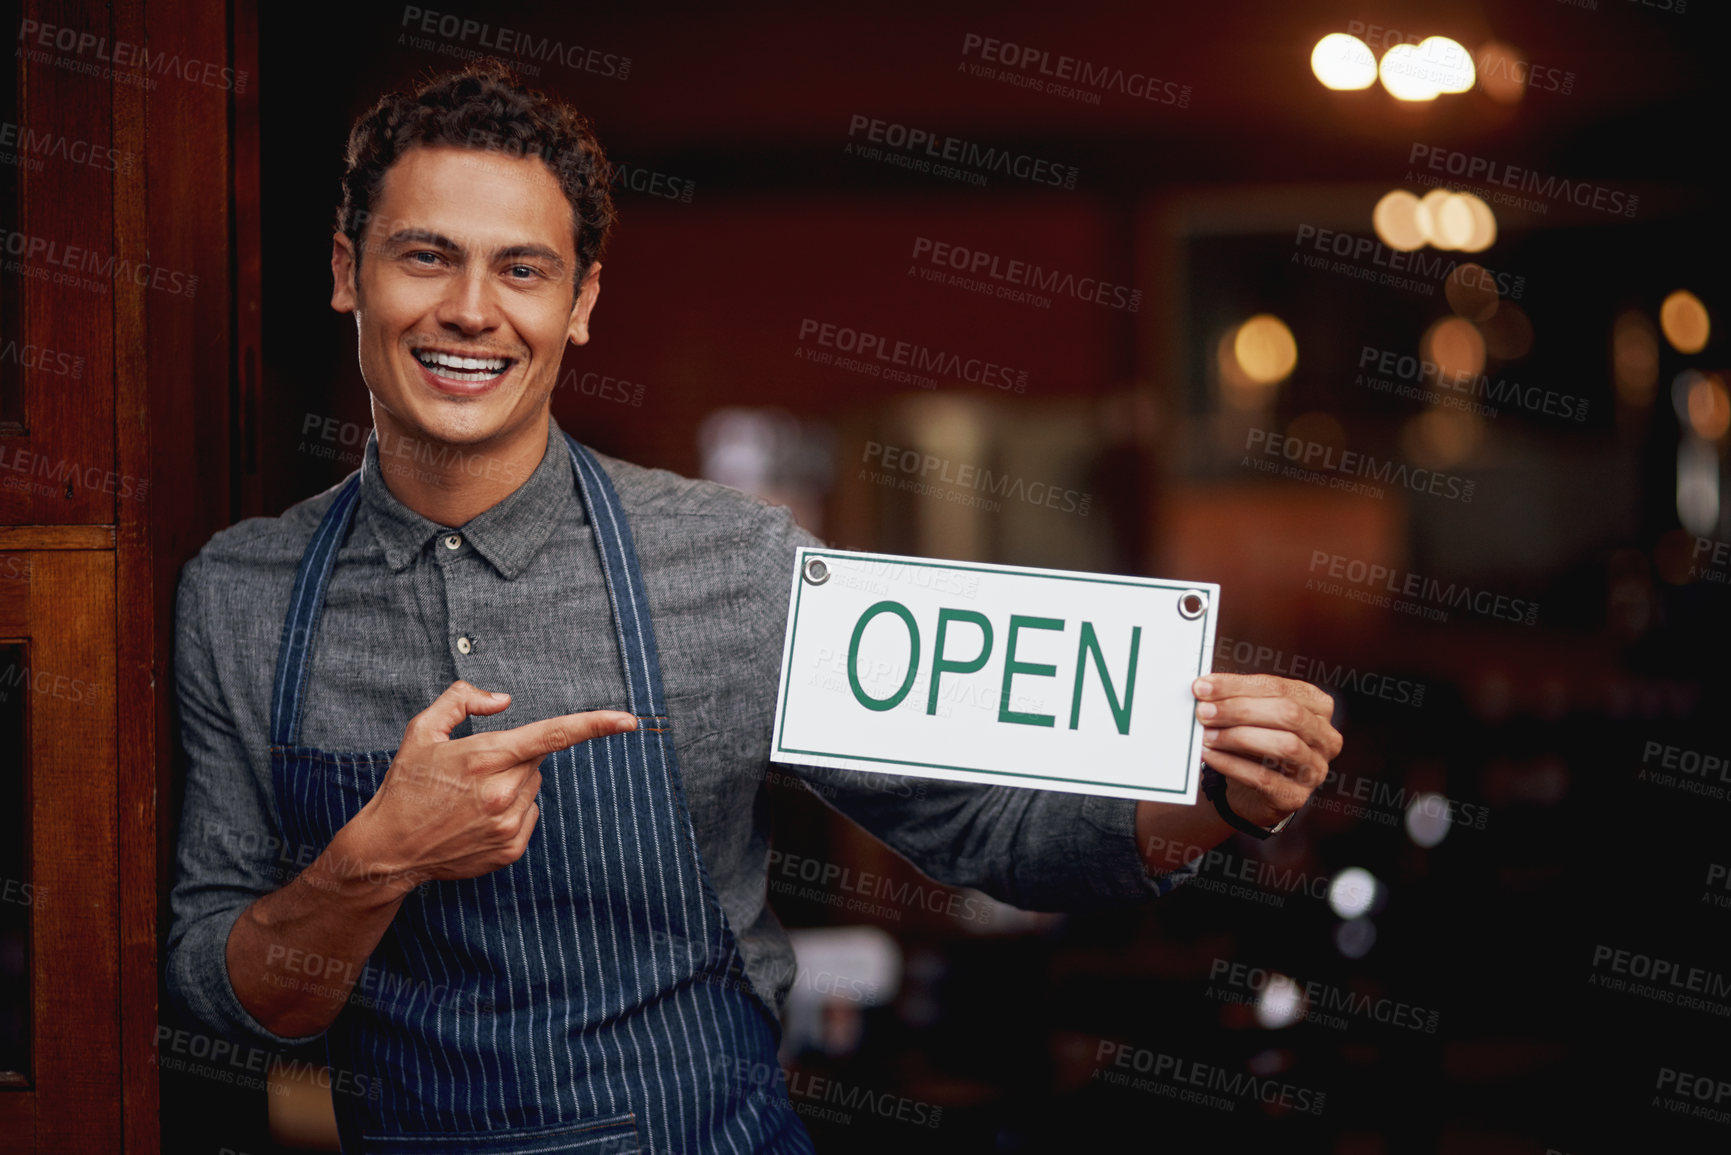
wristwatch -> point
(1214, 786)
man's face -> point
(464, 297)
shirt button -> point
(453, 541)
(464, 645)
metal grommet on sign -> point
(1192, 604)
(816, 571)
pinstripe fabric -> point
(589, 997)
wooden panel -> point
(74, 960)
(65, 456)
(56, 537)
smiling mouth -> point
(465, 370)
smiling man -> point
(477, 740)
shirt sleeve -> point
(231, 850)
(1034, 849)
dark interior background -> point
(1538, 728)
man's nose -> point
(469, 304)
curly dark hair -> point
(483, 106)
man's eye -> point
(523, 272)
(424, 257)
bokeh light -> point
(1450, 65)
(1427, 819)
(1508, 334)
(1709, 408)
(1484, 228)
(1279, 1003)
(1454, 346)
(1684, 319)
(1265, 349)
(1352, 892)
(1404, 74)
(1440, 438)
(1634, 357)
(1502, 73)
(1395, 219)
(1343, 63)
(1471, 292)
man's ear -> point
(345, 295)
(585, 304)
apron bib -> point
(588, 998)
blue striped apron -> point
(588, 998)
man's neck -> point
(451, 485)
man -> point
(477, 739)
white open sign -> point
(1002, 674)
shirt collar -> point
(508, 535)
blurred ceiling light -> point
(1343, 63)
(1396, 221)
(1634, 357)
(1280, 1002)
(1355, 938)
(1264, 349)
(1449, 62)
(1502, 73)
(1445, 218)
(1508, 334)
(1240, 391)
(1352, 892)
(1318, 427)
(1405, 74)
(1440, 438)
(1697, 486)
(1709, 407)
(1427, 819)
(1684, 319)
(1471, 292)
(1454, 347)
(1484, 230)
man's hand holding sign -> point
(1049, 679)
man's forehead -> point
(474, 198)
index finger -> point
(1214, 687)
(535, 740)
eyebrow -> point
(419, 236)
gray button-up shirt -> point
(514, 600)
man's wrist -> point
(352, 868)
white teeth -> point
(484, 366)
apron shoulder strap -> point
(625, 588)
(300, 624)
